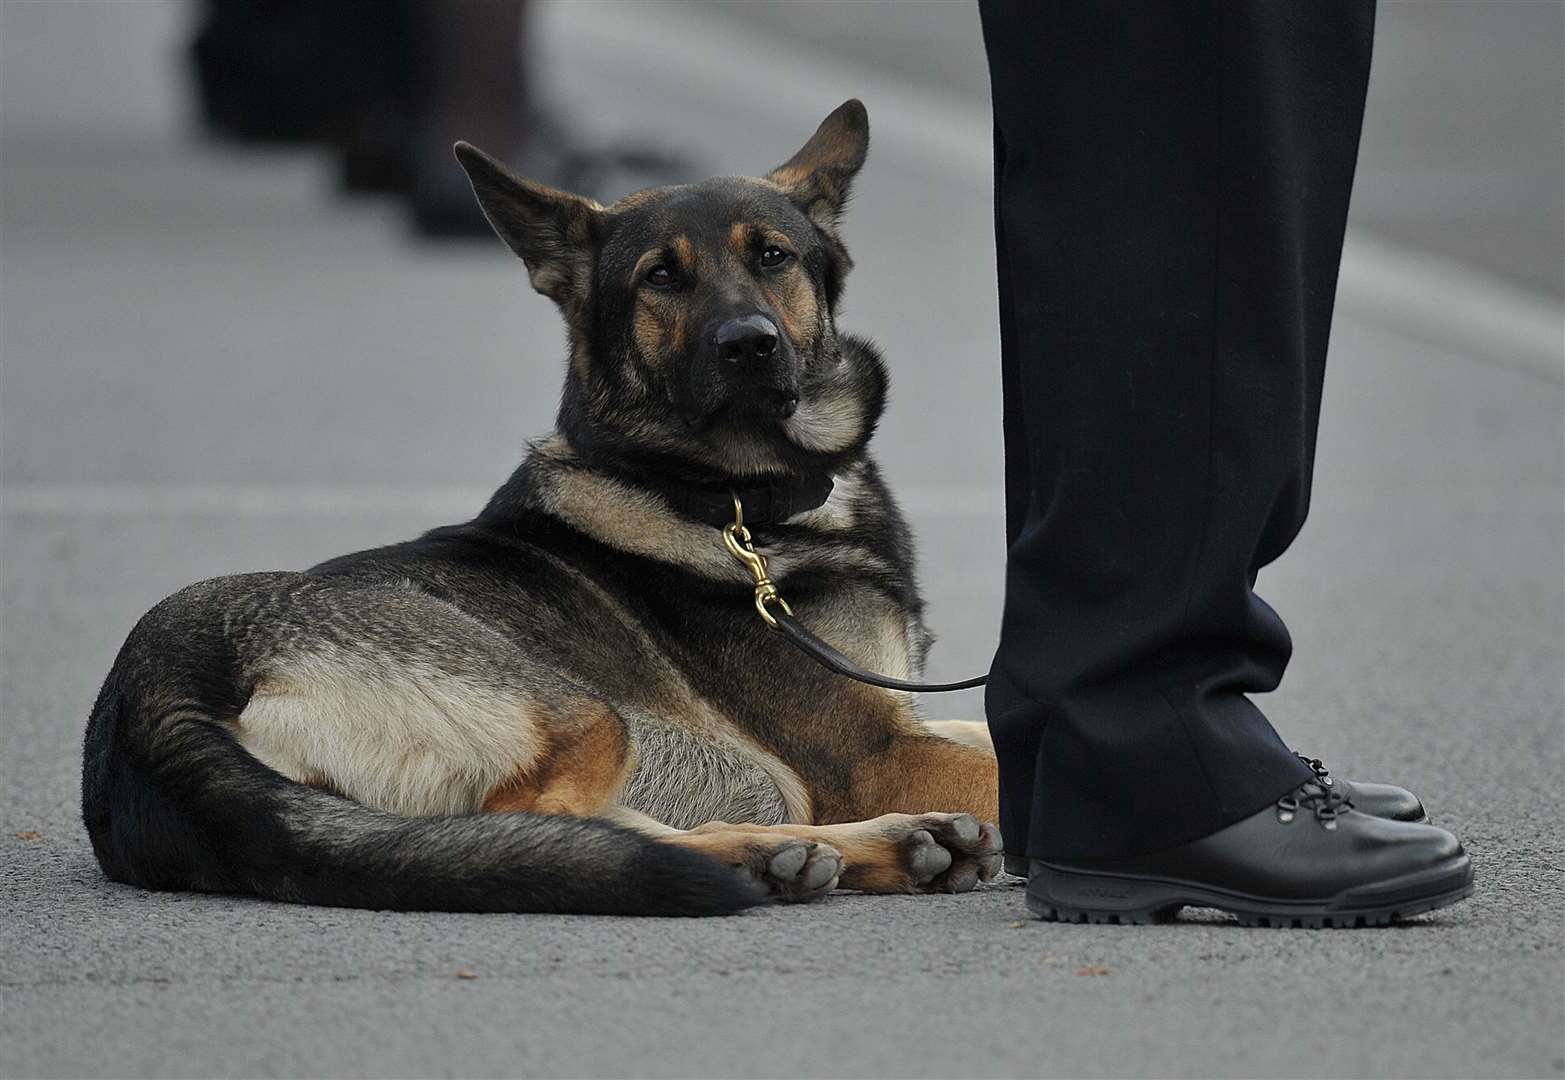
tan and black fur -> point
(568, 703)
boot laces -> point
(1316, 766)
(1324, 801)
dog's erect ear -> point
(551, 230)
(819, 177)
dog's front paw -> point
(793, 869)
(800, 870)
(926, 853)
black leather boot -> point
(1377, 800)
(1310, 860)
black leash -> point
(820, 651)
(737, 539)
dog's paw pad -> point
(950, 852)
(990, 862)
(925, 857)
(962, 878)
(786, 864)
(799, 871)
(966, 829)
(821, 872)
(961, 832)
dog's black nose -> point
(753, 337)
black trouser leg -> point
(1172, 186)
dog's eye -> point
(774, 256)
(660, 276)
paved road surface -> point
(210, 366)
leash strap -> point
(828, 657)
(736, 538)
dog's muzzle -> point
(748, 371)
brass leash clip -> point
(740, 545)
(737, 539)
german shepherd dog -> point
(562, 704)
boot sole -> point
(1060, 894)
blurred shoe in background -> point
(390, 86)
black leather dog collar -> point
(769, 504)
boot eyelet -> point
(1317, 796)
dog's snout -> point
(753, 337)
(747, 370)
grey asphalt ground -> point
(209, 364)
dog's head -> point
(702, 317)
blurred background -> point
(237, 335)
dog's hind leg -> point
(581, 771)
(387, 695)
(793, 867)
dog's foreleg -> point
(893, 853)
(915, 774)
(792, 867)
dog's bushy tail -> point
(172, 801)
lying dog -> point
(559, 705)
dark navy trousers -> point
(1171, 190)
